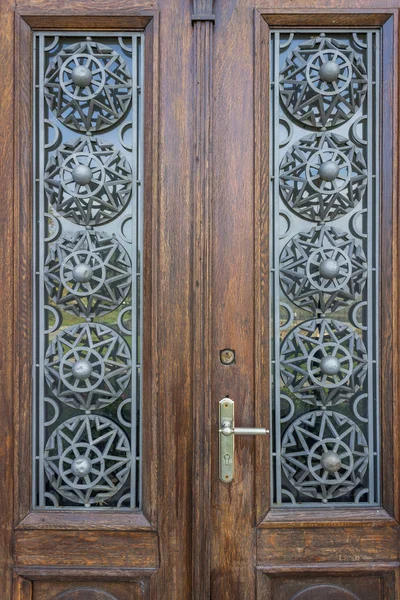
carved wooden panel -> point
(327, 588)
(90, 590)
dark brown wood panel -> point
(89, 549)
(335, 588)
(342, 544)
(232, 533)
(291, 539)
(7, 373)
(124, 544)
(90, 590)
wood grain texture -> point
(389, 357)
(174, 231)
(350, 544)
(81, 521)
(88, 574)
(86, 589)
(86, 7)
(232, 527)
(7, 372)
(339, 588)
(328, 517)
(87, 22)
(22, 588)
(262, 259)
(304, 537)
(88, 549)
(77, 543)
(201, 285)
(23, 266)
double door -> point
(199, 301)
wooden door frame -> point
(159, 554)
(302, 531)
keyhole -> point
(227, 459)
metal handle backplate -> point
(227, 432)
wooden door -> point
(96, 112)
(243, 159)
(300, 520)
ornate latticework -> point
(88, 86)
(88, 366)
(324, 454)
(87, 459)
(87, 273)
(88, 181)
(323, 269)
(88, 212)
(325, 266)
(323, 176)
(323, 362)
(323, 82)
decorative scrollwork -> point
(323, 361)
(87, 459)
(88, 182)
(323, 269)
(323, 176)
(88, 366)
(324, 454)
(87, 273)
(323, 82)
(88, 86)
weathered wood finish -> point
(292, 541)
(206, 289)
(151, 549)
(203, 25)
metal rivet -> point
(227, 356)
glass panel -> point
(325, 225)
(88, 271)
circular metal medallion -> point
(323, 82)
(88, 86)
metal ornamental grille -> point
(325, 261)
(88, 271)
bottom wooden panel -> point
(86, 590)
(308, 586)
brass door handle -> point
(227, 432)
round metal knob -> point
(81, 466)
(330, 365)
(82, 174)
(82, 273)
(329, 71)
(81, 76)
(328, 170)
(329, 268)
(82, 369)
(330, 461)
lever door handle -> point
(227, 432)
